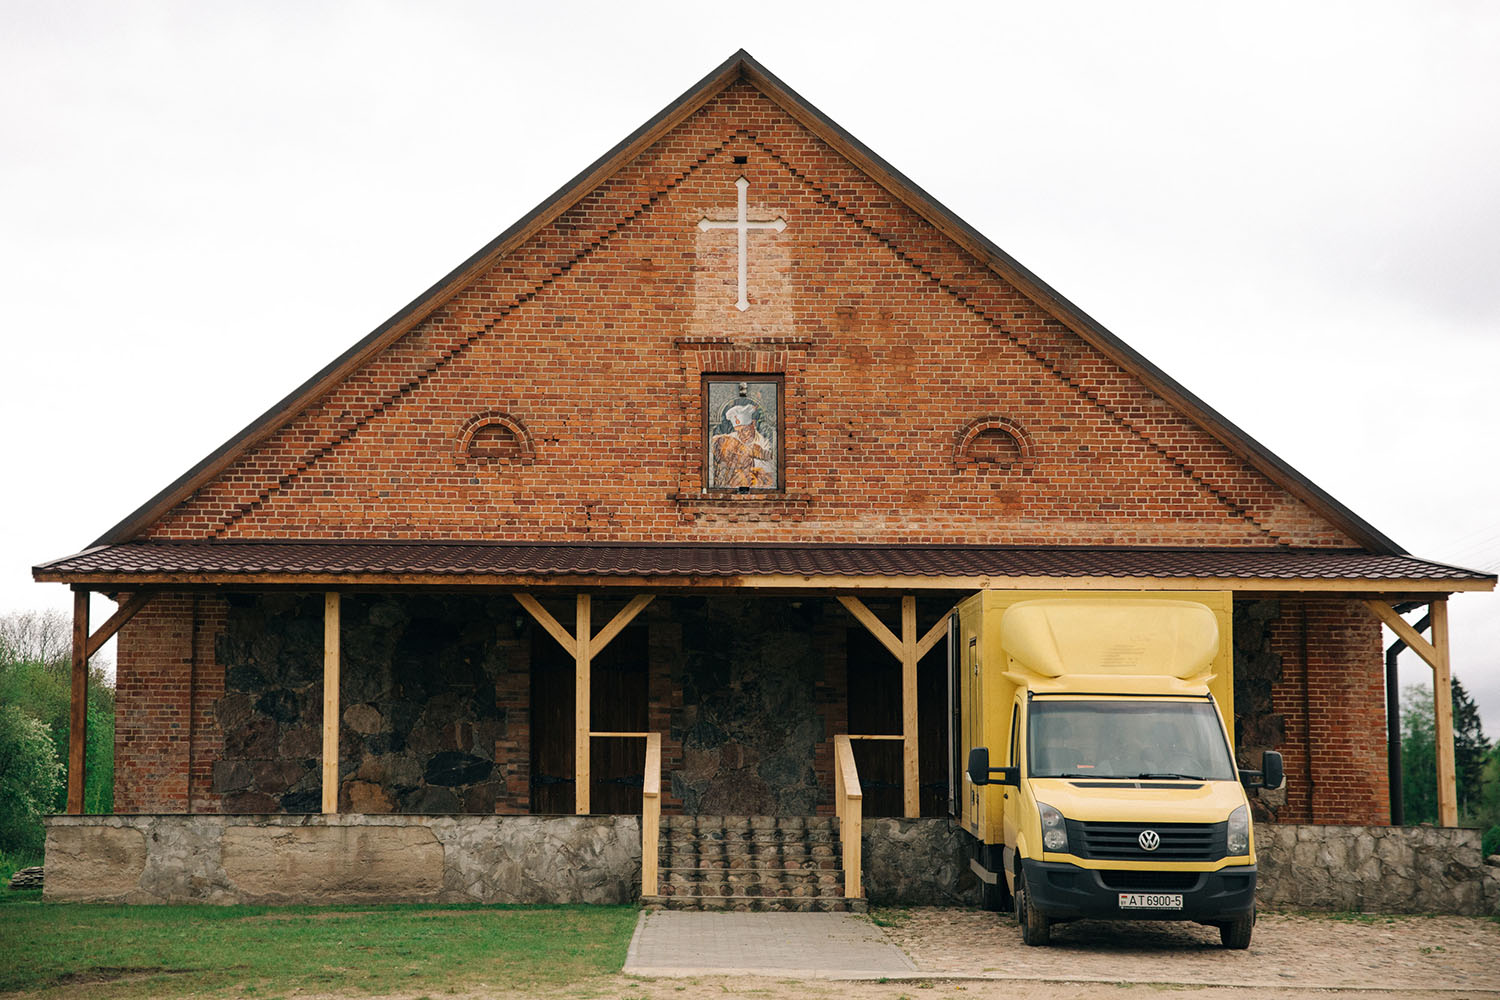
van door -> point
(1010, 823)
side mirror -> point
(1272, 773)
(980, 773)
(979, 766)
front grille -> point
(1127, 881)
(1121, 841)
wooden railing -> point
(849, 805)
(650, 806)
(651, 815)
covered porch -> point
(412, 685)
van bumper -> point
(1065, 891)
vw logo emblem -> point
(1149, 840)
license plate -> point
(1150, 900)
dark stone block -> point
(244, 679)
(480, 798)
(429, 799)
(244, 803)
(382, 743)
(302, 802)
(302, 740)
(255, 740)
(276, 776)
(233, 710)
(280, 704)
(231, 776)
(454, 768)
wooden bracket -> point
(117, 621)
(1436, 655)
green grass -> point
(129, 951)
(889, 916)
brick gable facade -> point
(892, 340)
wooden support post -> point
(78, 706)
(1442, 701)
(330, 702)
(582, 687)
(911, 776)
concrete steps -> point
(751, 863)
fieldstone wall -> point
(917, 862)
(431, 721)
(1377, 869)
(1258, 727)
(754, 703)
(343, 859)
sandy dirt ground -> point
(970, 955)
(1307, 952)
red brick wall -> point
(892, 341)
(1332, 692)
(207, 747)
(153, 707)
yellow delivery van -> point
(1100, 777)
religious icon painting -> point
(742, 433)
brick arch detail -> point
(963, 460)
(494, 418)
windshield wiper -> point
(1171, 774)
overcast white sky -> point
(1292, 208)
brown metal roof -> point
(226, 562)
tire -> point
(1236, 933)
(1036, 928)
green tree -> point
(1471, 751)
(30, 774)
(36, 677)
(1418, 756)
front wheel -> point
(1236, 933)
(1036, 928)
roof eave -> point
(1362, 586)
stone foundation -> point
(597, 859)
(917, 862)
(1375, 869)
(343, 859)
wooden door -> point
(874, 683)
(618, 703)
(875, 707)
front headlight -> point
(1239, 831)
(1054, 828)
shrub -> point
(29, 777)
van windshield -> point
(1127, 739)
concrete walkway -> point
(788, 945)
